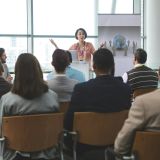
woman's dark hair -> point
(81, 29)
(104, 60)
(28, 81)
(60, 60)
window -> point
(119, 7)
(13, 16)
(29, 24)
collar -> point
(60, 75)
(138, 65)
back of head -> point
(60, 60)
(69, 56)
(28, 81)
(103, 61)
(2, 50)
(140, 56)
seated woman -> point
(29, 95)
(61, 84)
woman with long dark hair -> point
(29, 95)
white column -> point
(152, 32)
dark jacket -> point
(102, 94)
(4, 86)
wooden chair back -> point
(31, 133)
(64, 106)
(146, 145)
(98, 128)
(141, 91)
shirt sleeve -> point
(125, 77)
(134, 122)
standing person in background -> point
(70, 72)
(3, 58)
(84, 49)
(29, 95)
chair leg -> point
(75, 138)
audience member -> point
(3, 58)
(70, 71)
(105, 93)
(4, 85)
(29, 95)
(143, 115)
(141, 76)
(61, 84)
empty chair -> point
(31, 133)
(98, 129)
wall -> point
(131, 33)
(127, 25)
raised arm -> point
(53, 42)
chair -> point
(31, 133)
(146, 145)
(64, 106)
(98, 129)
(141, 91)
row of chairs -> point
(30, 133)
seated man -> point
(141, 76)
(143, 115)
(105, 93)
(6, 73)
(5, 86)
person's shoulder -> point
(131, 70)
(119, 78)
(51, 92)
(148, 99)
(74, 81)
(83, 84)
(9, 97)
(75, 74)
(88, 43)
(76, 71)
(150, 69)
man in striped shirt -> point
(141, 76)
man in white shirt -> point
(141, 76)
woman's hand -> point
(103, 45)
